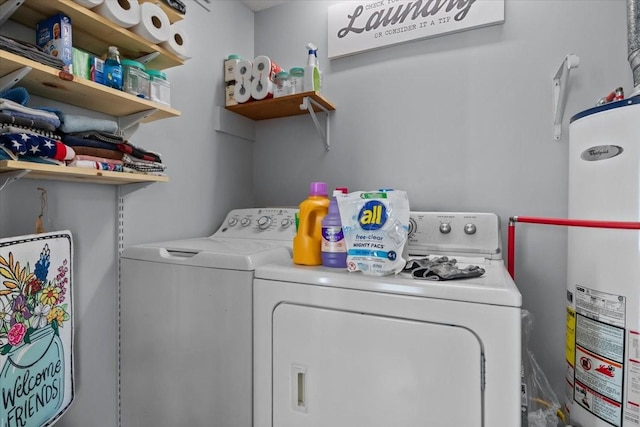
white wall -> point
(461, 122)
(209, 174)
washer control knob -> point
(470, 228)
(412, 227)
(286, 223)
(264, 222)
(232, 221)
(445, 228)
(245, 221)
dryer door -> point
(345, 369)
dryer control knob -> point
(264, 222)
(245, 221)
(232, 221)
(445, 228)
(470, 228)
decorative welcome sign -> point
(357, 26)
(36, 329)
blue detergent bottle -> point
(113, 69)
(334, 248)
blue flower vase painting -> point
(36, 329)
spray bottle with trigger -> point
(312, 75)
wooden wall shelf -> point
(43, 81)
(68, 173)
(280, 107)
(95, 33)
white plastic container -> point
(282, 86)
(296, 78)
(135, 80)
(159, 87)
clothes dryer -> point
(340, 349)
(186, 331)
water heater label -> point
(601, 152)
(632, 409)
(599, 353)
(602, 306)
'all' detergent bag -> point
(375, 226)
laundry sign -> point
(358, 26)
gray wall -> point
(461, 122)
(209, 174)
(473, 131)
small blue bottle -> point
(334, 248)
(113, 69)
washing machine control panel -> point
(463, 233)
(260, 223)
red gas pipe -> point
(511, 231)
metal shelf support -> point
(11, 79)
(7, 9)
(560, 91)
(126, 122)
(308, 104)
(7, 178)
(147, 58)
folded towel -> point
(98, 152)
(71, 123)
(24, 144)
(8, 105)
(141, 165)
(29, 123)
(97, 159)
(31, 131)
(88, 164)
(16, 94)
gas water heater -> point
(603, 271)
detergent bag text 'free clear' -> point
(375, 226)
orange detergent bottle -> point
(307, 242)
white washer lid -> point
(495, 286)
(229, 254)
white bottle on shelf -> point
(312, 75)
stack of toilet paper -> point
(243, 76)
(147, 19)
(264, 74)
(255, 79)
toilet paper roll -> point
(89, 4)
(154, 23)
(243, 91)
(125, 13)
(261, 88)
(243, 71)
(178, 42)
(264, 66)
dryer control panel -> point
(455, 233)
(259, 224)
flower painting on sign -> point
(358, 26)
(36, 329)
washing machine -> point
(340, 349)
(186, 322)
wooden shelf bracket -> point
(307, 104)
